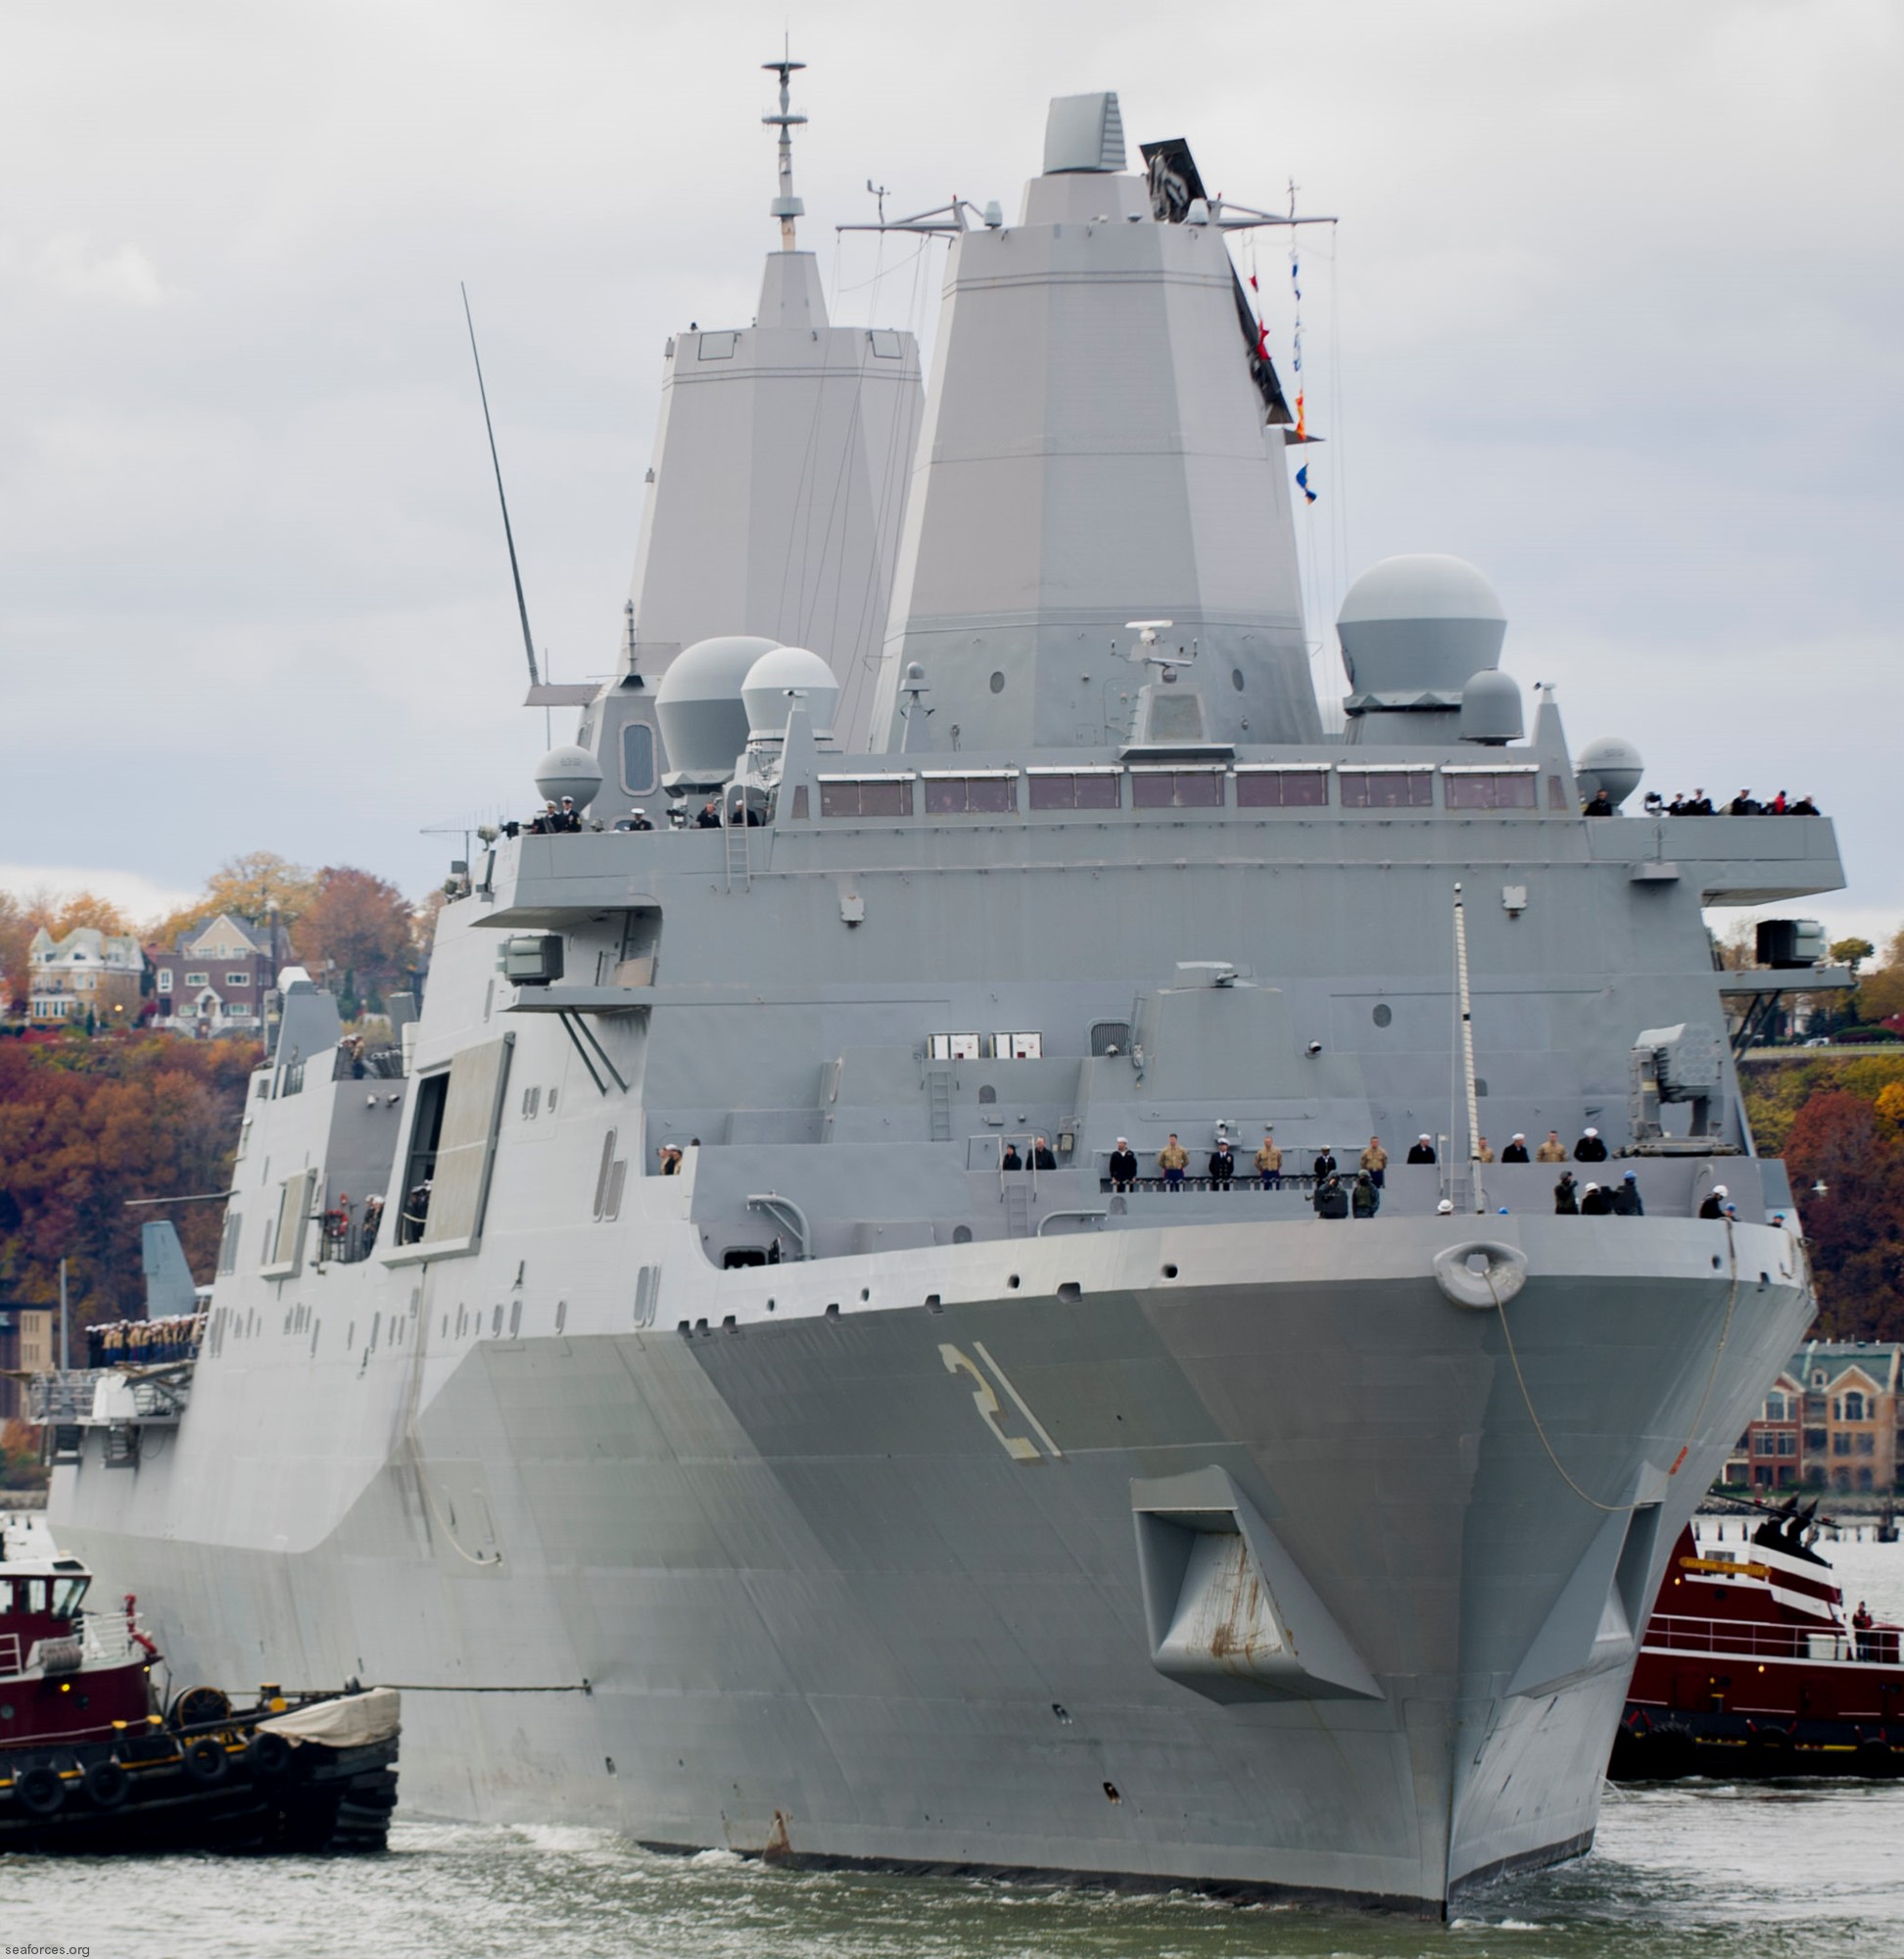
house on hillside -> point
(1831, 1420)
(214, 979)
(88, 972)
(26, 1343)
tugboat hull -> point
(235, 1786)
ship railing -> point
(63, 1398)
(108, 1638)
(1246, 1179)
(1674, 1631)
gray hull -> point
(823, 1610)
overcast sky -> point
(1614, 312)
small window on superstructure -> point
(637, 758)
(1096, 787)
(1399, 788)
(1260, 786)
(1490, 788)
(866, 796)
(1176, 789)
(984, 792)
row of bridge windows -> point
(1190, 785)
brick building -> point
(28, 1335)
(214, 980)
(88, 972)
(1831, 1420)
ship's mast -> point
(785, 207)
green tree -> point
(1881, 995)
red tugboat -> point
(89, 1762)
(1749, 1667)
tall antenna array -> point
(787, 206)
(516, 570)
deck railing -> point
(1677, 1633)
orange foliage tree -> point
(360, 925)
(1855, 1226)
(83, 1128)
(247, 886)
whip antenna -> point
(516, 570)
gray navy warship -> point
(719, 1443)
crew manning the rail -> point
(145, 1343)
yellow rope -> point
(1527, 1399)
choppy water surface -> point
(1711, 1871)
(1698, 1870)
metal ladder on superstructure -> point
(938, 1104)
(739, 869)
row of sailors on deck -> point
(1698, 804)
(143, 1343)
(1173, 1160)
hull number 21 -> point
(985, 1398)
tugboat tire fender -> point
(39, 1791)
(106, 1784)
(205, 1760)
(269, 1754)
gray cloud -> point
(1609, 312)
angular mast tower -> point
(780, 463)
(1095, 453)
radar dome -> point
(1419, 626)
(1490, 707)
(1609, 764)
(569, 772)
(703, 720)
(787, 677)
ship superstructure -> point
(739, 1451)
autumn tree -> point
(359, 927)
(1880, 994)
(16, 940)
(71, 910)
(1854, 1224)
(248, 887)
(82, 1129)
(1851, 952)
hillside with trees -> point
(84, 1124)
(1838, 1120)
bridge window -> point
(1490, 788)
(866, 796)
(637, 758)
(1074, 788)
(1403, 788)
(1176, 789)
(978, 792)
(1263, 788)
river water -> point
(1701, 1868)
